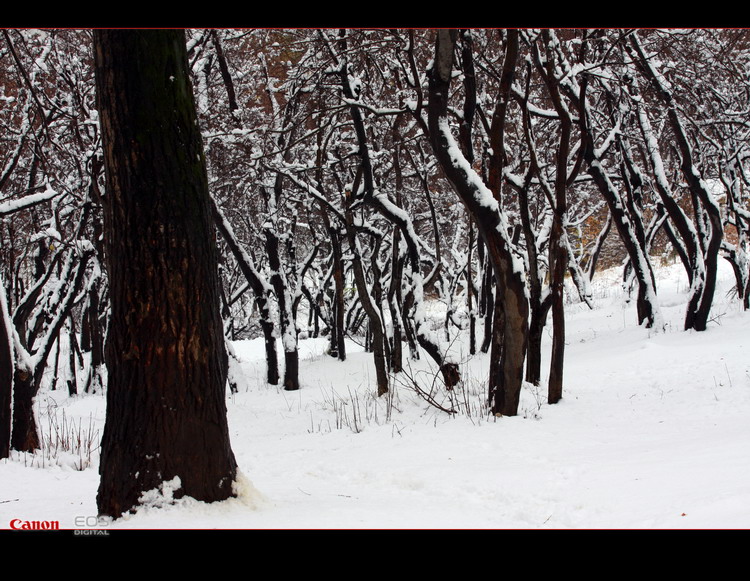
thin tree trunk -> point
(339, 304)
(558, 251)
(373, 314)
(394, 300)
(286, 318)
(72, 372)
(647, 305)
(6, 374)
(260, 289)
(470, 293)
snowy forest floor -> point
(652, 432)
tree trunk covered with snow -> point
(368, 304)
(287, 324)
(372, 196)
(338, 310)
(483, 204)
(647, 305)
(35, 344)
(707, 211)
(260, 287)
(167, 367)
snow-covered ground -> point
(652, 432)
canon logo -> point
(34, 525)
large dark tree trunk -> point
(166, 409)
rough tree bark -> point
(166, 410)
(6, 373)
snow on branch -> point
(12, 206)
